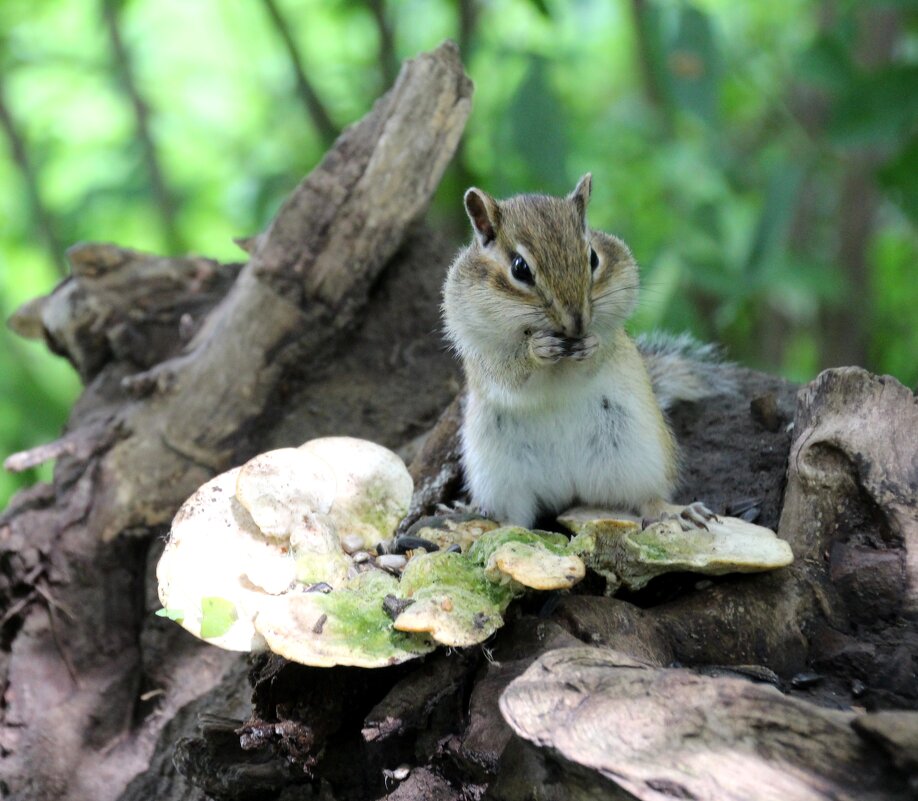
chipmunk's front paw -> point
(580, 349)
(695, 515)
(548, 348)
(551, 348)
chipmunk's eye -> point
(594, 260)
(520, 270)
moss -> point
(452, 572)
(356, 614)
(480, 553)
(583, 543)
(653, 546)
(313, 567)
(654, 551)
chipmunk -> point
(561, 408)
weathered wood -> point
(854, 470)
(215, 375)
(436, 470)
(670, 733)
(897, 734)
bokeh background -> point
(761, 158)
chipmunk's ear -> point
(581, 195)
(484, 213)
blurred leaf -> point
(217, 616)
(536, 119)
(906, 4)
(660, 289)
(649, 29)
(541, 6)
(894, 335)
(798, 288)
(877, 108)
(900, 178)
(826, 64)
(693, 65)
(801, 357)
(777, 211)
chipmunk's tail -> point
(683, 369)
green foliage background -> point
(759, 158)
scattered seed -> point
(748, 509)
(393, 606)
(394, 563)
(351, 543)
(406, 543)
(803, 680)
(320, 624)
(858, 688)
(360, 557)
(399, 774)
(447, 605)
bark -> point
(187, 364)
(659, 733)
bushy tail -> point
(683, 369)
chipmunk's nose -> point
(573, 325)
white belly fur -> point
(592, 440)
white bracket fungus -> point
(294, 551)
(615, 545)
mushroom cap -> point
(540, 560)
(453, 599)
(452, 616)
(373, 486)
(346, 627)
(536, 567)
(246, 545)
(280, 486)
(615, 545)
(215, 552)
